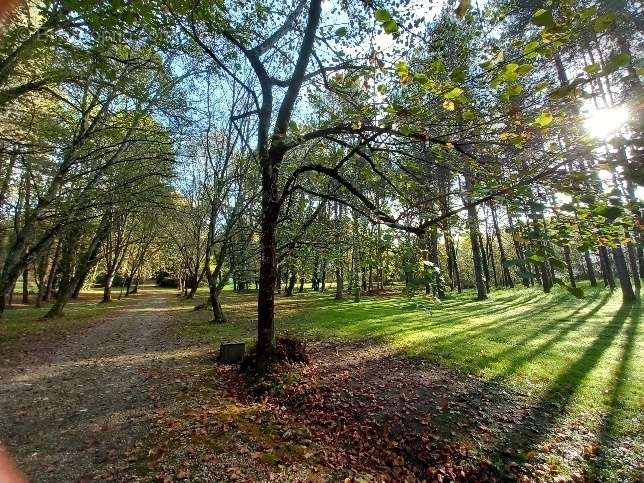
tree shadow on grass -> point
(611, 443)
(551, 410)
(460, 407)
(562, 332)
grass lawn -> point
(583, 354)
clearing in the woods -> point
(524, 385)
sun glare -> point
(601, 123)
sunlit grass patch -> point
(581, 351)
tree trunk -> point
(628, 295)
(52, 272)
(65, 284)
(290, 285)
(107, 289)
(433, 250)
(632, 259)
(507, 276)
(267, 269)
(25, 285)
(270, 153)
(72, 272)
(339, 272)
(590, 269)
(490, 254)
(518, 249)
(339, 281)
(607, 270)
(571, 274)
(485, 262)
(457, 270)
(323, 275)
(473, 226)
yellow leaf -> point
(449, 105)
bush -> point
(119, 280)
(168, 282)
(166, 279)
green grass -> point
(586, 353)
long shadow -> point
(563, 332)
(607, 436)
(504, 325)
(553, 404)
(512, 319)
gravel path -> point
(76, 413)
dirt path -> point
(77, 412)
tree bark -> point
(339, 272)
(632, 259)
(323, 276)
(607, 271)
(628, 295)
(590, 269)
(25, 285)
(473, 226)
(52, 271)
(72, 272)
(485, 263)
(507, 276)
(571, 274)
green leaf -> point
(610, 212)
(576, 291)
(543, 119)
(420, 78)
(402, 68)
(542, 85)
(510, 73)
(341, 32)
(524, 69)
(615, 62)
(515, 90)
(543, 18)
(587, 12)
(592, 68)
(561, 92)
(458, 76)
(382, 15)
(536, 258)
(487, 65)
(602, 22)
(531, 47)
(390, 26)
(560, 264)
(469, 115)
(454, 93)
